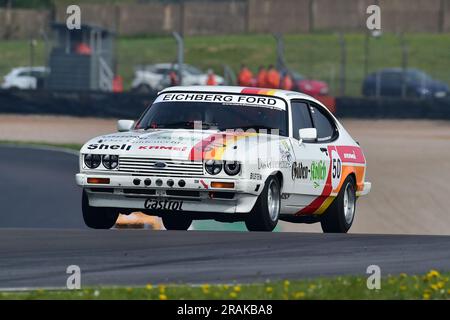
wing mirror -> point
(125, 125)
(307, 134)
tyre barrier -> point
(130, 105)
(393, 108)
(73, 103)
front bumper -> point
(196, 194)
(366, 189)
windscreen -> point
(216, 111)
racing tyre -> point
(179, 222)
(339, 216)
(265, 213)
(98, 218)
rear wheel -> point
(340, 215)
(265, 213)
(96, 217)
(176, 222)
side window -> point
(300, 117)
(326, 130)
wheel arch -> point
(279, 175)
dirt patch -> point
(408, 165)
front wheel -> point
(339, 216)
(98, 218)
(265, 213)
(176, 222)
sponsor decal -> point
(285, 153)
(204, 184)
(269, 164)
(102, 146)
(226, 99)
(299, 171)
(172, 148)
(317, 173)
(155, 204)
(285, 196)
(350, 154)
(255, 176)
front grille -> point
(183, 193)
(139, 191)
(146, 166)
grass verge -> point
(314, 55)
(432, 285)
(67, 146)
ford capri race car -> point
(228, 154)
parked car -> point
(310, 87)
(392, 81)
(156, 77)
(230, 154)
(25, 78)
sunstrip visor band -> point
(225, 99)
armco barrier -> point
(393, 108)
(130, 105)
(81, 104)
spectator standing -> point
(272, 78)
(211, 81)
(287, 83)
(261, 77)
(245, 77)
(173, 77)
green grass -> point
(314, 55)
(433, 285)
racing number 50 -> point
(337, 168)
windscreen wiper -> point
(180, 124)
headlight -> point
(232, 168)
(92, 161)
(110, 161)
(213, 167)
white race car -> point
(229, 154)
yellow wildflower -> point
(162, 297)
(299, 295)
(433, 273)
(233, 295)
(149, 287)
(269, 289)
(237, 288)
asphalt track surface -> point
(43, 234)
